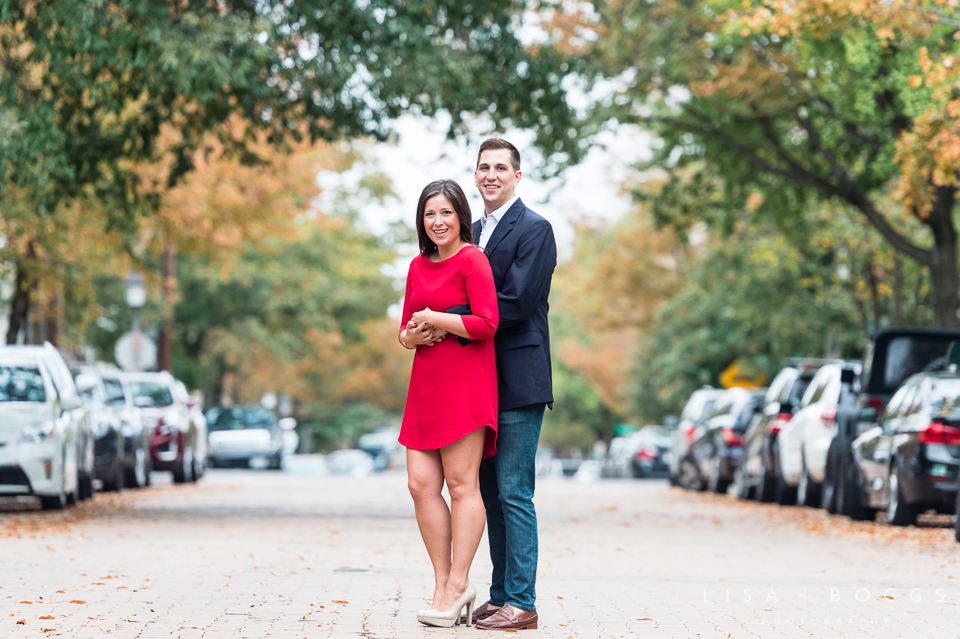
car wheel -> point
(899, 512)
(86, 486)
(743, 490)
(828, 496)
(199, 468)
(58, 501)
(764, 492)
(808, 492)
(716, 483)
(956, 519)
(849, 497)
(115, 484)
(276, 463)
(783, 493)
(690, 477)
(184, 472)
(137, 476)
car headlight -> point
(36, 433)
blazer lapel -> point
(505, 225)
(477, 229)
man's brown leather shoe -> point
(509, 618)
(482, 612)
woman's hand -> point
(423, 317)
(422, 333)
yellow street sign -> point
(741, 373)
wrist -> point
(403, 342)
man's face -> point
(496, 178)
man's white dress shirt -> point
(489, 221)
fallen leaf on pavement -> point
(29, 602)
(645, 619)
(340, 601)
(47, 617)
(885, 597)
(559, 597)
(60, 591)
(22, 622)
(80, 601)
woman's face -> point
(441, 221)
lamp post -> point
(136, 298)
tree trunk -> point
(943, 263)
(897, 290)
(20, 304)
(166, 334)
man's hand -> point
(423, 334)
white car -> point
(248, 436)
(804, 440)
(72, 406)
(39, 439)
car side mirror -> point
(72, 403)
(288, 423)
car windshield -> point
(114, 390)
(157, 392)
(21, 384)
(242, 418)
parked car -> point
(803, 441)
(71, 404)
(246, 436)
(891, 356)
(618, 461)
(652, 450)
(716, 449)
(137, 463)
(694, 414)
(383, 445)
(908, 462)
(108, 441)
(40, 451)
(177, 440)
(756, 476)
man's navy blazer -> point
(523, 256)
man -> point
(523, 254)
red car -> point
(178, 441)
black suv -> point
(892, 355)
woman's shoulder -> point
(474, 256)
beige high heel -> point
(448, 618)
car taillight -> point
(689, 435)
(646, 454)
(875, 402)
(732, 437)
(780, 421)
(829, 415)
(940, 433)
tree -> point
(87, 90)
(797, 102)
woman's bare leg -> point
(425, 481)
(461, 468)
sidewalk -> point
(260, 554)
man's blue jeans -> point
(506, 483)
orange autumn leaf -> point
(47, 617)
(77, 601)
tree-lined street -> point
(304, 554)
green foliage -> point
(580, 416)
(334, 428)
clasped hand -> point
(422, 332)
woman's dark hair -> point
(454, 193)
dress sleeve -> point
(407, 311)
(482, 297)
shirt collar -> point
(494, 216)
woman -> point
(450, 419)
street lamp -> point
(136, 298)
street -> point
(300, 553)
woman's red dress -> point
(453, 388)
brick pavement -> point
(260, 554)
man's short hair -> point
(492, 144)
